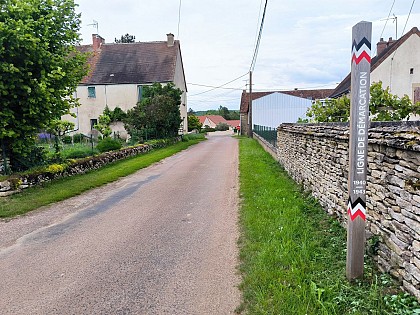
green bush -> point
(66, 139)
(32, 156)
(78, 153)
(78, 137)
(222, 127)
(108, 144)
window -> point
(139, 92)
(93, 122)
(91, 92)
(411, 70)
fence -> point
(267, 133)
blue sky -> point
(304, 44)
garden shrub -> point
(108, 144)
(66, 139)
(34, 156)
(222, 127)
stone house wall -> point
(316, 156)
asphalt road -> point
(162, 241)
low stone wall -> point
(316, 155)
(17, 182)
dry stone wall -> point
(316, 155)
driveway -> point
(161, 241)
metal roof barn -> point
(277, 108)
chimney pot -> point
(170, 39)
(390, 39)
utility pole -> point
(250, 106)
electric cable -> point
(409, 13)
(254, 58)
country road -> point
(161, 241)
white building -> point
(274, 109)
(118, 73)
(396, 64)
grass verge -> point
(293, 255)
(57, 190)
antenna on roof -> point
(96, 25)
(394, 19)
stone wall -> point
(16, 182)
(316, 155)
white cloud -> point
(304, 43)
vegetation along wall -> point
(316, 155)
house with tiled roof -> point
(312, 95)
(119, 71)
(213, 120)
(396, 64)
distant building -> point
(118, 73)
(308, 95)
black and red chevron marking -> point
(361, 51)
(356, 209)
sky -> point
(304, 44)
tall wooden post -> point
(358, 147)
(250, 133)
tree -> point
(39, 69)
(59, 128)
(103, 125)
(331, 110)
(383, 106)
(191, 112)
(194, 123)
(127, 38)
(158, 111)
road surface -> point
(161, 241)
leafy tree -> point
(331, 110)
(103, 125)
(191, 112)
(194, 123)
(383, 106)
(127, 38)
(39, 69)
(59, 128)
(157, 112)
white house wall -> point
(179, 82)
(124, 96)
(395, 70)
(277, 108)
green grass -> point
(57, 190)
(293, 255)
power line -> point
(409, 13)
(218, 87)
(254, 58)
(212, 86)
(386, 21)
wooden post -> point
(358, 147)
(250, 133)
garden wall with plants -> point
(17, 182)
(316, 155)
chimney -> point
(171, 40)
(380, 46)
(97, 41)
